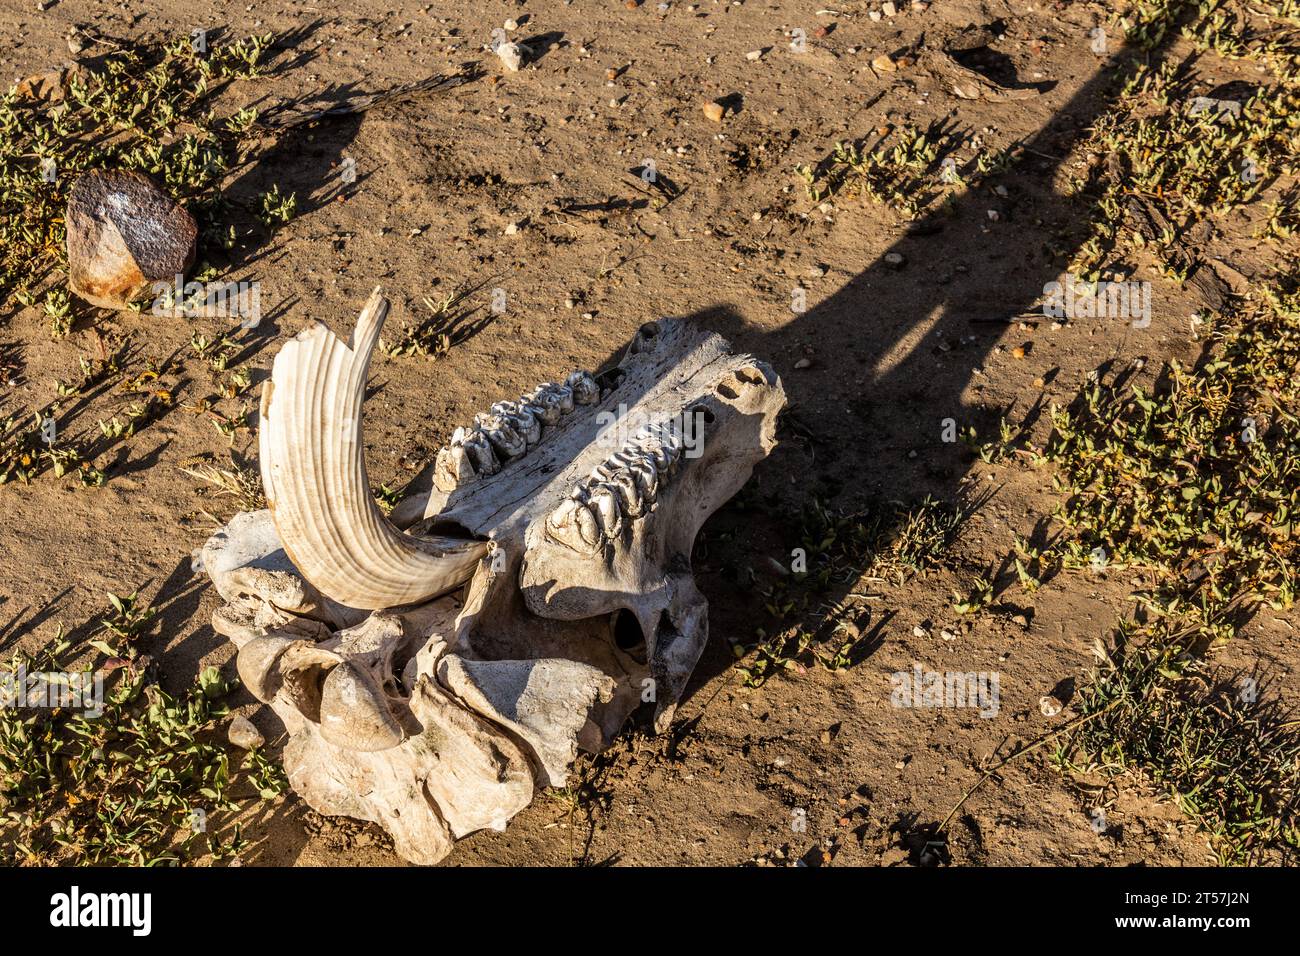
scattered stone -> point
(888, 8)
(512, 229)
(817, 271)
(124, 234)
(884, 64)
(1019, 352)
(919, 631)
(511, 26)
(895, 260)
(804, 363)
(512, 55)
(714, 111)
(1050, 705)
(48, 86)
(948, 635)
(244, 735)
(1208, 104)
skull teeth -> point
(585, 389)
(573, 524)
(509, 429)
(506, 442)
(518, 417)
(620, 490)
(481, 456)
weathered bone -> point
(314, 472)
(584, 497)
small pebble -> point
(244, 735)
(1050, 706)
(714, 111)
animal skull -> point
(432, 678)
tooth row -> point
(621, 489)
(508, 429)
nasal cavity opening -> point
(627, 632)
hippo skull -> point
(436, 666)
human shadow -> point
(864, 422)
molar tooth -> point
(661, 453)
(564, 396)
(544, 402)
(572, 524)
(585, 389)
(480, 452)
(507, 442)
(521, 420)
(453, 468)
(647, 478)
(629, 495)
(604, 505)
(538, 411)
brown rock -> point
(714, 111)
(46, 87)
(124, 234)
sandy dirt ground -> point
(530, 182)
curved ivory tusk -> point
(314, 472)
